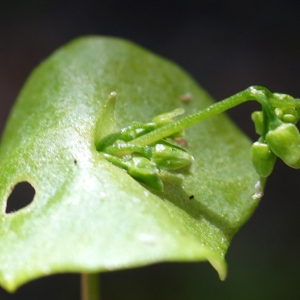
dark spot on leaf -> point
(75, 161)
(191, 197)
(22, 195)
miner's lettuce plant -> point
(101, 130)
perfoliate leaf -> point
(89, 215)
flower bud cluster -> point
(279, 136)
(144, 163)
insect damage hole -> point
(21, 196)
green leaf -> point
(89, 215)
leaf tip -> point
(106, 119)
(220, 266)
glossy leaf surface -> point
(89, 215)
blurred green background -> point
(227, 46)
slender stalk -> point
(192, 119)
(258, 93)
(90, 287)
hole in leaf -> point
(21, 196)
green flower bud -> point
(170, 157)
(290, 115)
(263, 159)
(258, 119)
(278, 113)
(291, 111)
(284, 141)
(141, 169)
(287, 115)
(288, 118)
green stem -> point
(258, 93)
(217, 108)
(90, 287)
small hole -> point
(21, 196)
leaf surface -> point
(91, 216)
